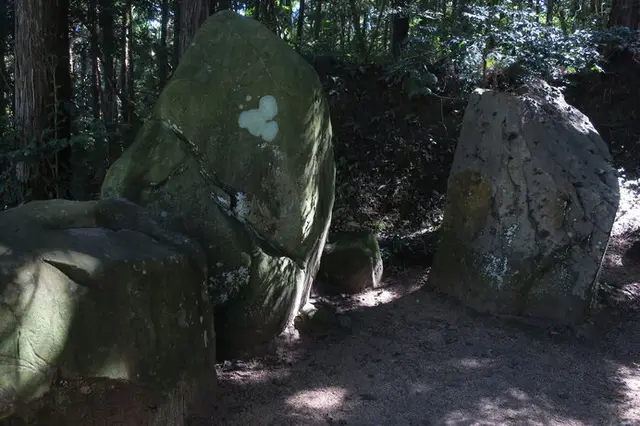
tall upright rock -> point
(531, 200)
(237, 154)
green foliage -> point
(496, 37)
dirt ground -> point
(403, 355)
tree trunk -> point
(94, 53)
(175, 57)
(361, 47)
(127, 89)
(374, 37)
(399, 28)
(4, 78)
(43, 93)
(163, 53)
(109, 103)
(300, 30)
(625, 13)
(266, 13)
(192, 14)
(317, 20)
(550, 4)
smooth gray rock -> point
(531, 200)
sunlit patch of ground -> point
(325, 399)
(629, 409)
(392, 288)
(628, 216)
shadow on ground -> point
(422, 360)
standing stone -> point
(531, 200)
(351, 263)
(237, 154)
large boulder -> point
(237, 154)
(531, 200)
(96, 290)
(351, 263)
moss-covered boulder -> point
(98, 290)
(531, 200)
(237, 154)
(351, 263)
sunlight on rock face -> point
(628, 215)
(326, 399)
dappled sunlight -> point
(516, 407)
(474, 363)
(629, 377)
(324, 399)
(628, 215)
(391, 290)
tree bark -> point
(300, 29)
(108, 50)
(550, 4)
(266, 13)
(399, 28)
(317, 20)
(175, 58)
(192, 14)
(625, 13)
(127, 88)
(361, 46)
(374, 37)
(94, 53)
(43, 93)
(4, 78)
(163, 52)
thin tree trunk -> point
(109, 104)
(357, 28)
(163, 54)
(300, 29)
(4, 78)
(317, 20)
(399, 28)
(94, 54)
(550, 4)
(376, 31)
(126, 74)
(176, 34)
(343, 32)
(267, 14)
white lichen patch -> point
(260, 122)
(510, 233)
(242, 207)
(496, 268)
(227, 283)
